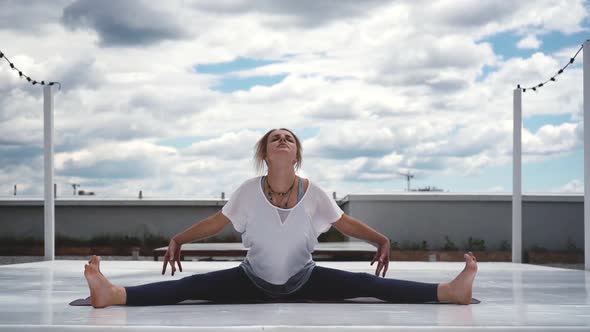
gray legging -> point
(324, 284)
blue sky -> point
(505, 43)
(229, 82)
(372, 88)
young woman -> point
(280, 216)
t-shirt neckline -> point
(276, 207)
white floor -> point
(35, 296)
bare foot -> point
(102, 292)
(97, 261)
(460, 288)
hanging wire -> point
(21, 74)
(559, 72)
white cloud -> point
(231, 145)
(551, 139)
(574, 186)
(529, 42)
(496, 189)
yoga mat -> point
(86, 302)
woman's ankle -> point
(120, 295)
(443, 292)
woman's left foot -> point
(460, 289)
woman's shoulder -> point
(254, 179)
(248, 184)
(316, 190)
(305, 184)
(251, 182)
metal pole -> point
(49, 222)
(516, 179)
(586, 50)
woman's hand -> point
(172, 256)
(383, 256)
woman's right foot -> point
(460, 289)
(102, 292)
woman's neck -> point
(281, 179)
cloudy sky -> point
(169, 97)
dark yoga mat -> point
(86, 302)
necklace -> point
(288, 192)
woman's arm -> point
(203, 229)
(350, 226)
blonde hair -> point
(260, 151)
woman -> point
(280, 216)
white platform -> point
(35, 296)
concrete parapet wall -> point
(555, 222)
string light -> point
(571, 61)
(21, 74)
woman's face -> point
(281, 144)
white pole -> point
(586, 50)
(49, 196)
(516, 180)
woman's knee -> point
(329, 274)
(334, 281)
(224, 285)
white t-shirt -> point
(279, 249)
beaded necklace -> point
(288, 192)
